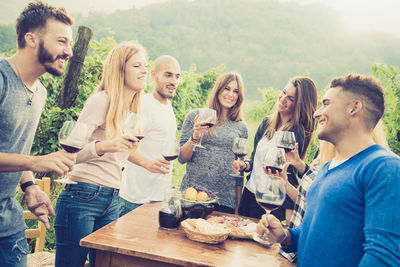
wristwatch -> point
(27, 184)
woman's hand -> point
(198, 128)
(238, 166)
(282, 174)
(293, 158)
(118, 144)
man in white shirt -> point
(138, 184)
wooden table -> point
(136, 240)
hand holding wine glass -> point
(207, 117)
(270, 194)
(240, 148)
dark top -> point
(248, 205)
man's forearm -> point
(138, 159)
(15, 162)
(26, 176)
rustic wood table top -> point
(137, 234)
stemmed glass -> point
(285, 140)
(73, 136)
(170, 151)
(275, 159)
(132, 127)
(207, 117)
(270, 195)
(240, 148)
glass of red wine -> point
(285, 140)
(270, 194)
(170, 150)
(132, 126)
(275, 159)
(73, 136)
(240, 148)
(207, 117)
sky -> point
(365, 15)
(361, 16)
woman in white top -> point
(92, 203)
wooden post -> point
(69, 90)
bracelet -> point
(27, 184)
(193, 141)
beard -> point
(44, 57)
(163, 95)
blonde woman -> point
(93, 202)
(210, 167)
(294, 111)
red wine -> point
(70, 149)
(269, 205)
(209, 124)
(240, 155)
(139, 137)
(286, 148)
(168, 221)
(170, 157)
(273, 168)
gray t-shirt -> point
(18, 123)
(210, 167)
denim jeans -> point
(81, 209)
(13, 250)
(125, 206)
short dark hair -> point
(369, 89)
(35, 16)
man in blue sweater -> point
(352, 216)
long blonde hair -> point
(235, 112)
(303, 114)
(113, 82)
(328, 151)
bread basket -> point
(202, 231)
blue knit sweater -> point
(353, 213)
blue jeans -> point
(125, 206)
(13, 250)
(81, 209)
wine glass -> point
(73, 136)
(170, 151)
(285, 140)
(240, 148)
(270, 195)
(207, 117)
(275, 159)
(132, 126)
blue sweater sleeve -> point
(382, 216)
(295, 233)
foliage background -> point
(268, 42)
